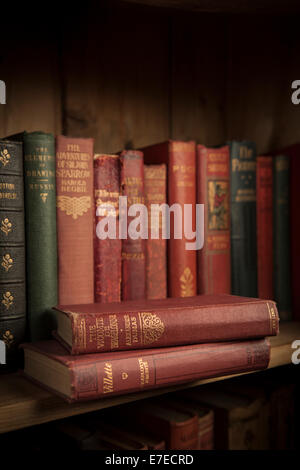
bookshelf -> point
(23, 404)
(137, 72)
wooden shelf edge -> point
(23, 404)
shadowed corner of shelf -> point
(24, 404)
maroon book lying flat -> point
(92, 376)
(165, 322)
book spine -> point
(282, 275)
(108, 251)
(182, 273)
(168, 327)
(214, 267)
(12, 250)
(243, 219)
(40, 225)
(178, 436)
(133, 249)
(206, 431)
(264, 220)
(152, 369)
(75, 219)
(156, 248)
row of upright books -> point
(246, 413)
(51, 254)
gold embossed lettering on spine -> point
(75, 219)
(12, 249)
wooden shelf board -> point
(23, 404)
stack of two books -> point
(112, 349)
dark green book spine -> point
(243, 218)
(40, 224)
(281, 221)
(12, 251)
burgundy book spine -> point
(206, 431)
(75, 219)
(214, 267)
(108, 252)
(133, 250)
(103, 375)
(156, 249)
(161, 327)
(182, 190)
(181, 160)
(264, 221)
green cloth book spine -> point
(12, 254)
(281, 230)
(243, 218)
(40, 223)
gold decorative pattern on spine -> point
(273, 318)
(6, 226)
(74, 206)
(7, 262)
(8, 338)
(187, 283)
(7, 299)
(44, 196)
(4, 157)
(152, 327)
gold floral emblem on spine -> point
(44, 196)
(6, 226)
(8, 338)
(74, 206)
(7, 262)
(187, 283)
(152, 327)
(7, 299)
(4, 157)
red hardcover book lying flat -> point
(155, 323)
(92, 376)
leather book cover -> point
(282, 259)
(133, 250)
(108, 251)
(264, 221)
(180, 158)
(243, 219)
(205, 418)
(75, 219)
(40, 225)
(165, 322)
(92, 376)
(172, 422)
(214, 266)
(240, 422)
(156, 248)
(12, 250)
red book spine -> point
(156, 249)
(108, 252)
(75, 219)
(214, 275)
(182, 273)
(133, 250)
(103, 375)
(161, 327)
(206, 431)
(264, 214)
